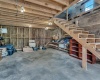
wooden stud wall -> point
(20, 36)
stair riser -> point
(86, 36)
(96, 47)
(90, 40)
(84, 42)
(97, 40)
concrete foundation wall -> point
(91, 22)
(58, 32)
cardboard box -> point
(27, 49)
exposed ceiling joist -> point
(13, 7)
(14, 13)
(12, 23)
(36, 11)
(20, 20)
(17, 20)
(63, 2)
(30, 6)
(46, 4)
(11, 15)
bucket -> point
(41, 47)
(35, 48)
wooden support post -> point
(10, 35)
(84, 58)
(17, 37)
(29, 33)
(67, 15)
(1, 31)
(77, 23)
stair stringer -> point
(81, 41)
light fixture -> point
(46, 28)
(49, 23)
(80, 1)
(30, 25)
(22, 9)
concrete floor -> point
(46, 65)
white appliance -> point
(32, 43)
(61, 45)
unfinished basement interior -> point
(49, 39)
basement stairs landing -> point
(88, 41)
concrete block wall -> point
(90, 22)
(58, 32)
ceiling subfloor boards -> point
(36, 11)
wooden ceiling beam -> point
(24, 24)
(14, 13)
(37, 21)
(31, 6)
(46, 4)
(21, 17)
(13, 18)
(63, 2)
(17, 17)
(6, 16)
(20, 20)
(13, 7)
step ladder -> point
(87, 40)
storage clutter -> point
(7, 50)
(3, 52)
(61, 44)
(32, 47)
(64, 42)
(10, 49)
(27, 49)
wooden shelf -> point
(76, 51)
(56, 46)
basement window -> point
(3, 30)
(89, 5)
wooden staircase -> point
(88, 41)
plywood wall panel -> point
(30, 33)
(7, 40)
(13, 41)
(20, 32)
(26, 32)
(13, 32)
(19, 36)
(20, 43)
(26, 42)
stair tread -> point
(85, 34)
(89, 41)
(76, 30)
(95, 43)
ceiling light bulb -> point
(46, 28)
(22, 9)
(80, 0)
(50, 23)
(30, 26)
